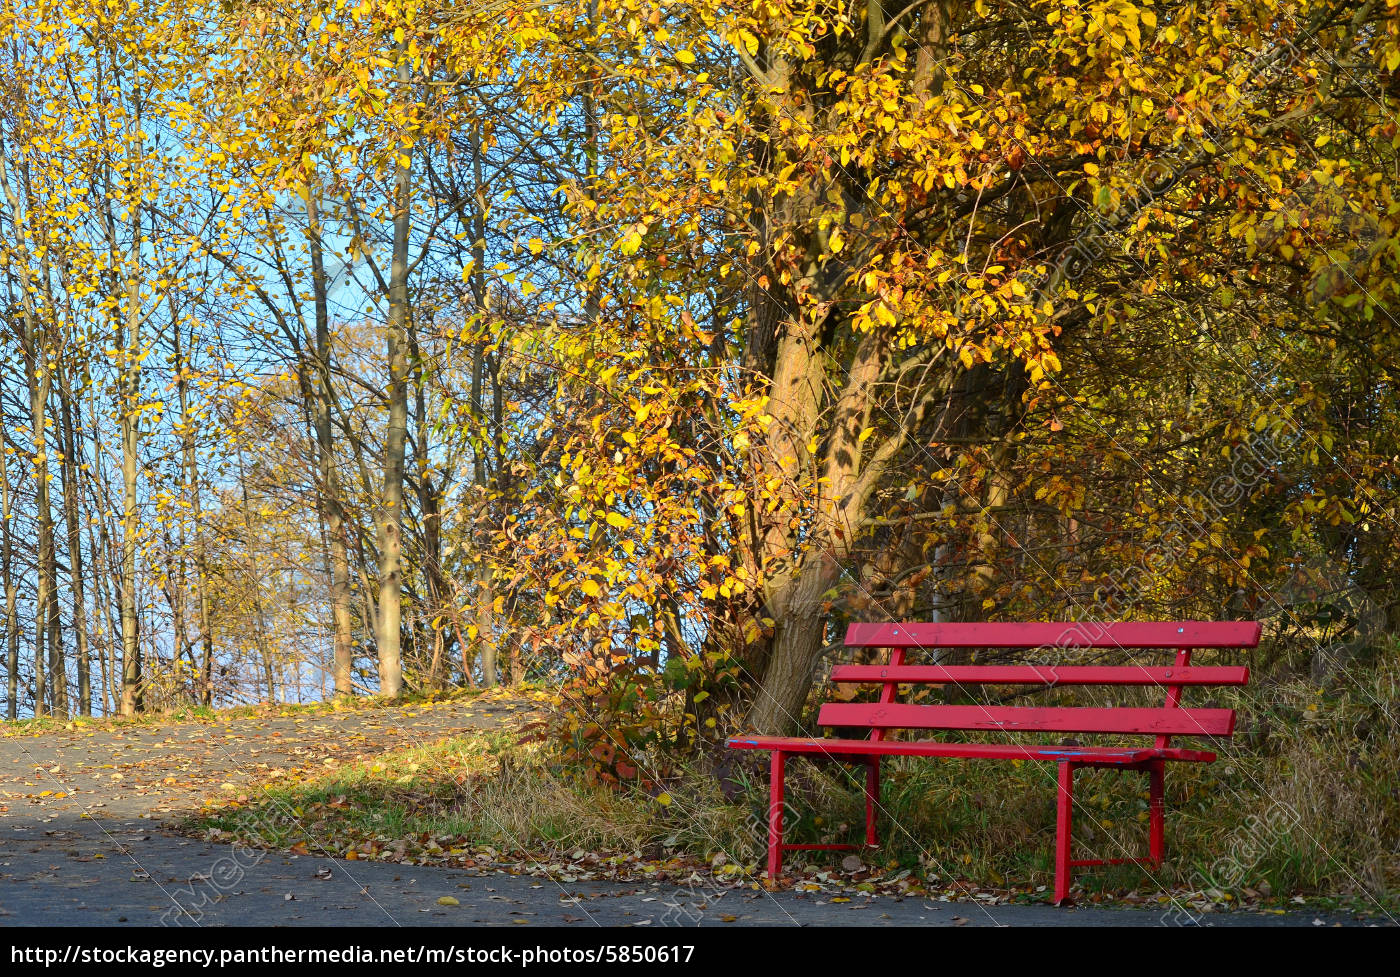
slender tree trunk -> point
(484, 612)
(332, 510)
(517, 663)
(58, 666)
(33, 341)
(486, 626)
(191, 487)
(105, 573)
(130, 381)
(39, 379)
(71, 493)
(255, 574)
(130, 259)
(429, 513)
(7, 577)
(390, 515)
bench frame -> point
(887, 714)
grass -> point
(448, 801)
(1302, 803)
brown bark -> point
(329, 492)
(39, 379)
(128, 400)
(7, 578)
(76, 578)
(389, 518)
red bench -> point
(888, 715)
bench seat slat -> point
(1057, 634)
(1046, 675)
(1161, 722)
(843, 748)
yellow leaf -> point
(684, 56)
(447, 901)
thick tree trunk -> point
(801, 569)
(800, 629)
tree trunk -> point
(7, 577)
(484, 612)
(39, 378)
(189, 462)
(850, 468)
(800, 629)
(390, 515)
(329, 488)
(486, 626)
(32, 342)
(130, 380)
(429, 510)
(100, 549)
(71, 494)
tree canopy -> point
(640, 345)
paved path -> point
(82, 843)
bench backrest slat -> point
(1161, 722)
(1057, 634)
(1046, 675)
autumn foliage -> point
(637, 347)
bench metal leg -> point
(1157, 840)
(775, 815)
(872, 800)
(1064, 820)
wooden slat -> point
(846, 748)
(1061, 634)
(1174, 722)
(1047, 675)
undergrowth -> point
(1302, 803)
